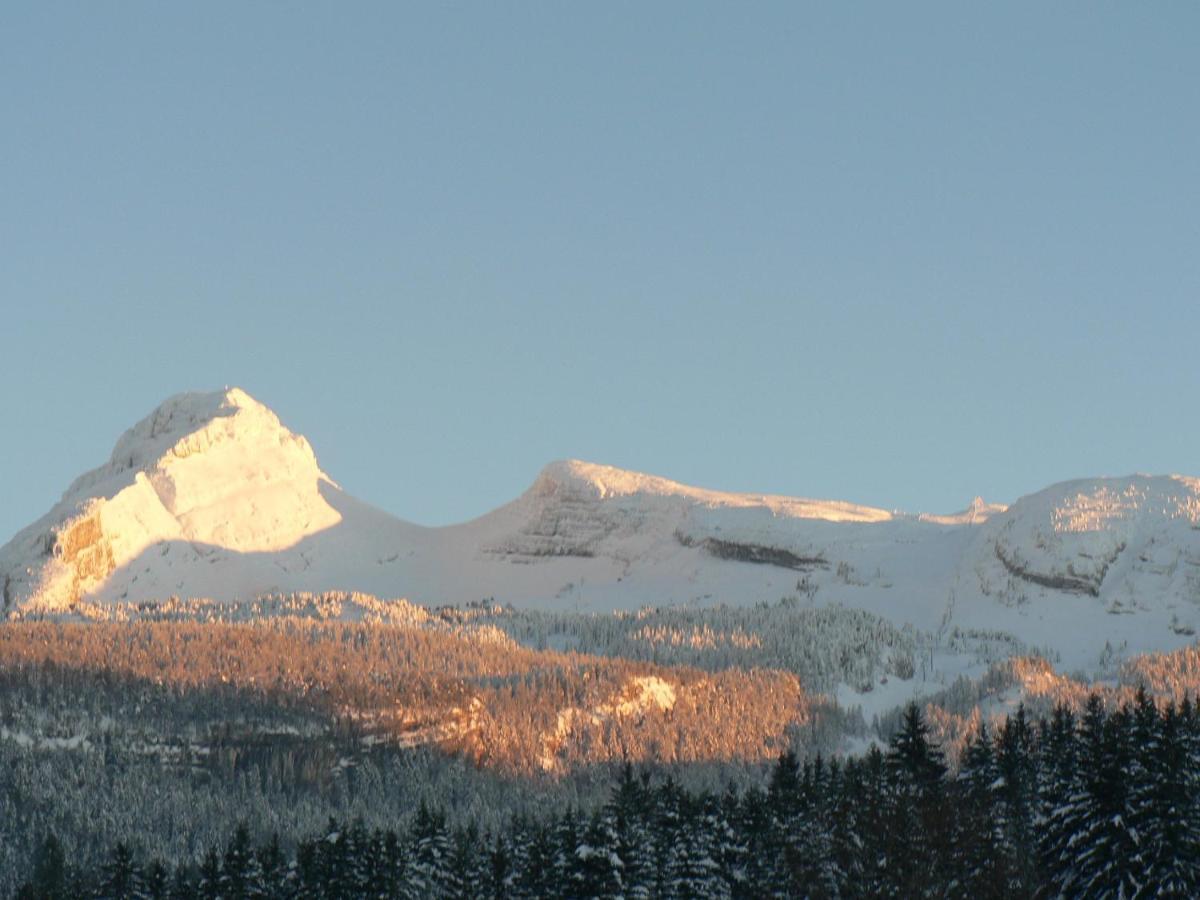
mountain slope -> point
(211, 496)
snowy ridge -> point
(211, 497)
(1132, 540)
(578, 478)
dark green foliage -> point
(121, 878)
(1103, 806)
(980, 834)
(917, 812)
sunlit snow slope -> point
(211, 496)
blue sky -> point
(900, 254)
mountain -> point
(211, 496)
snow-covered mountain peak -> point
(977, 512)
(1102, 504)
(1123, 539)
(187, 424)
(577, 480)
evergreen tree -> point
(49, 881)
(209, 887)
(310, 878)
(1164, 805)
(500, 870)
(566, 869)
(918, 835)
(1062, 800)
(1017, 802)
(121, 877)
(666, 827)
(395, 864)
(732, 846)
(598, 867)
(537, 873)
(802, 823)
(274, 867)
(362, 860)
(979, 841)
(869, 837)
(759, 862)
(1105, 845)
(628, 810)
(701, 870)
(429, 871)
(240, 873)
(337, 863)
(157, 881)
(465, 869)
(182, 885)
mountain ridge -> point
(211, 496)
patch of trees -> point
(471, 691)
(763, 554)
(1103, 804)
(823, 645)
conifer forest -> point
(1100, 804)
(486, 752)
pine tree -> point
(1164, 805)
(500, 870)
(732, 846)
(1016, 803)
(1105, 845)
(666, 835)
(49, 881)
(979, 836)
(183, 887)
(864, 845)
(598, 867)
(802, 824)
(566, 870)
(759, 862)
(240, 873)
(628, 810)
(465, 869)
(157, 881)
(1062, 800)
(121, 878)
(274, 867)
(785, 806)
(918, 835)
(429, 872)
(310, 876)
(700, 873)
(362, 860)
(537, 871)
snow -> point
(216, 471)
(574, 476)
(639, 695)
(211, 496)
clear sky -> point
(900, 254)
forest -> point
(1103, 804)
(161, 732)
